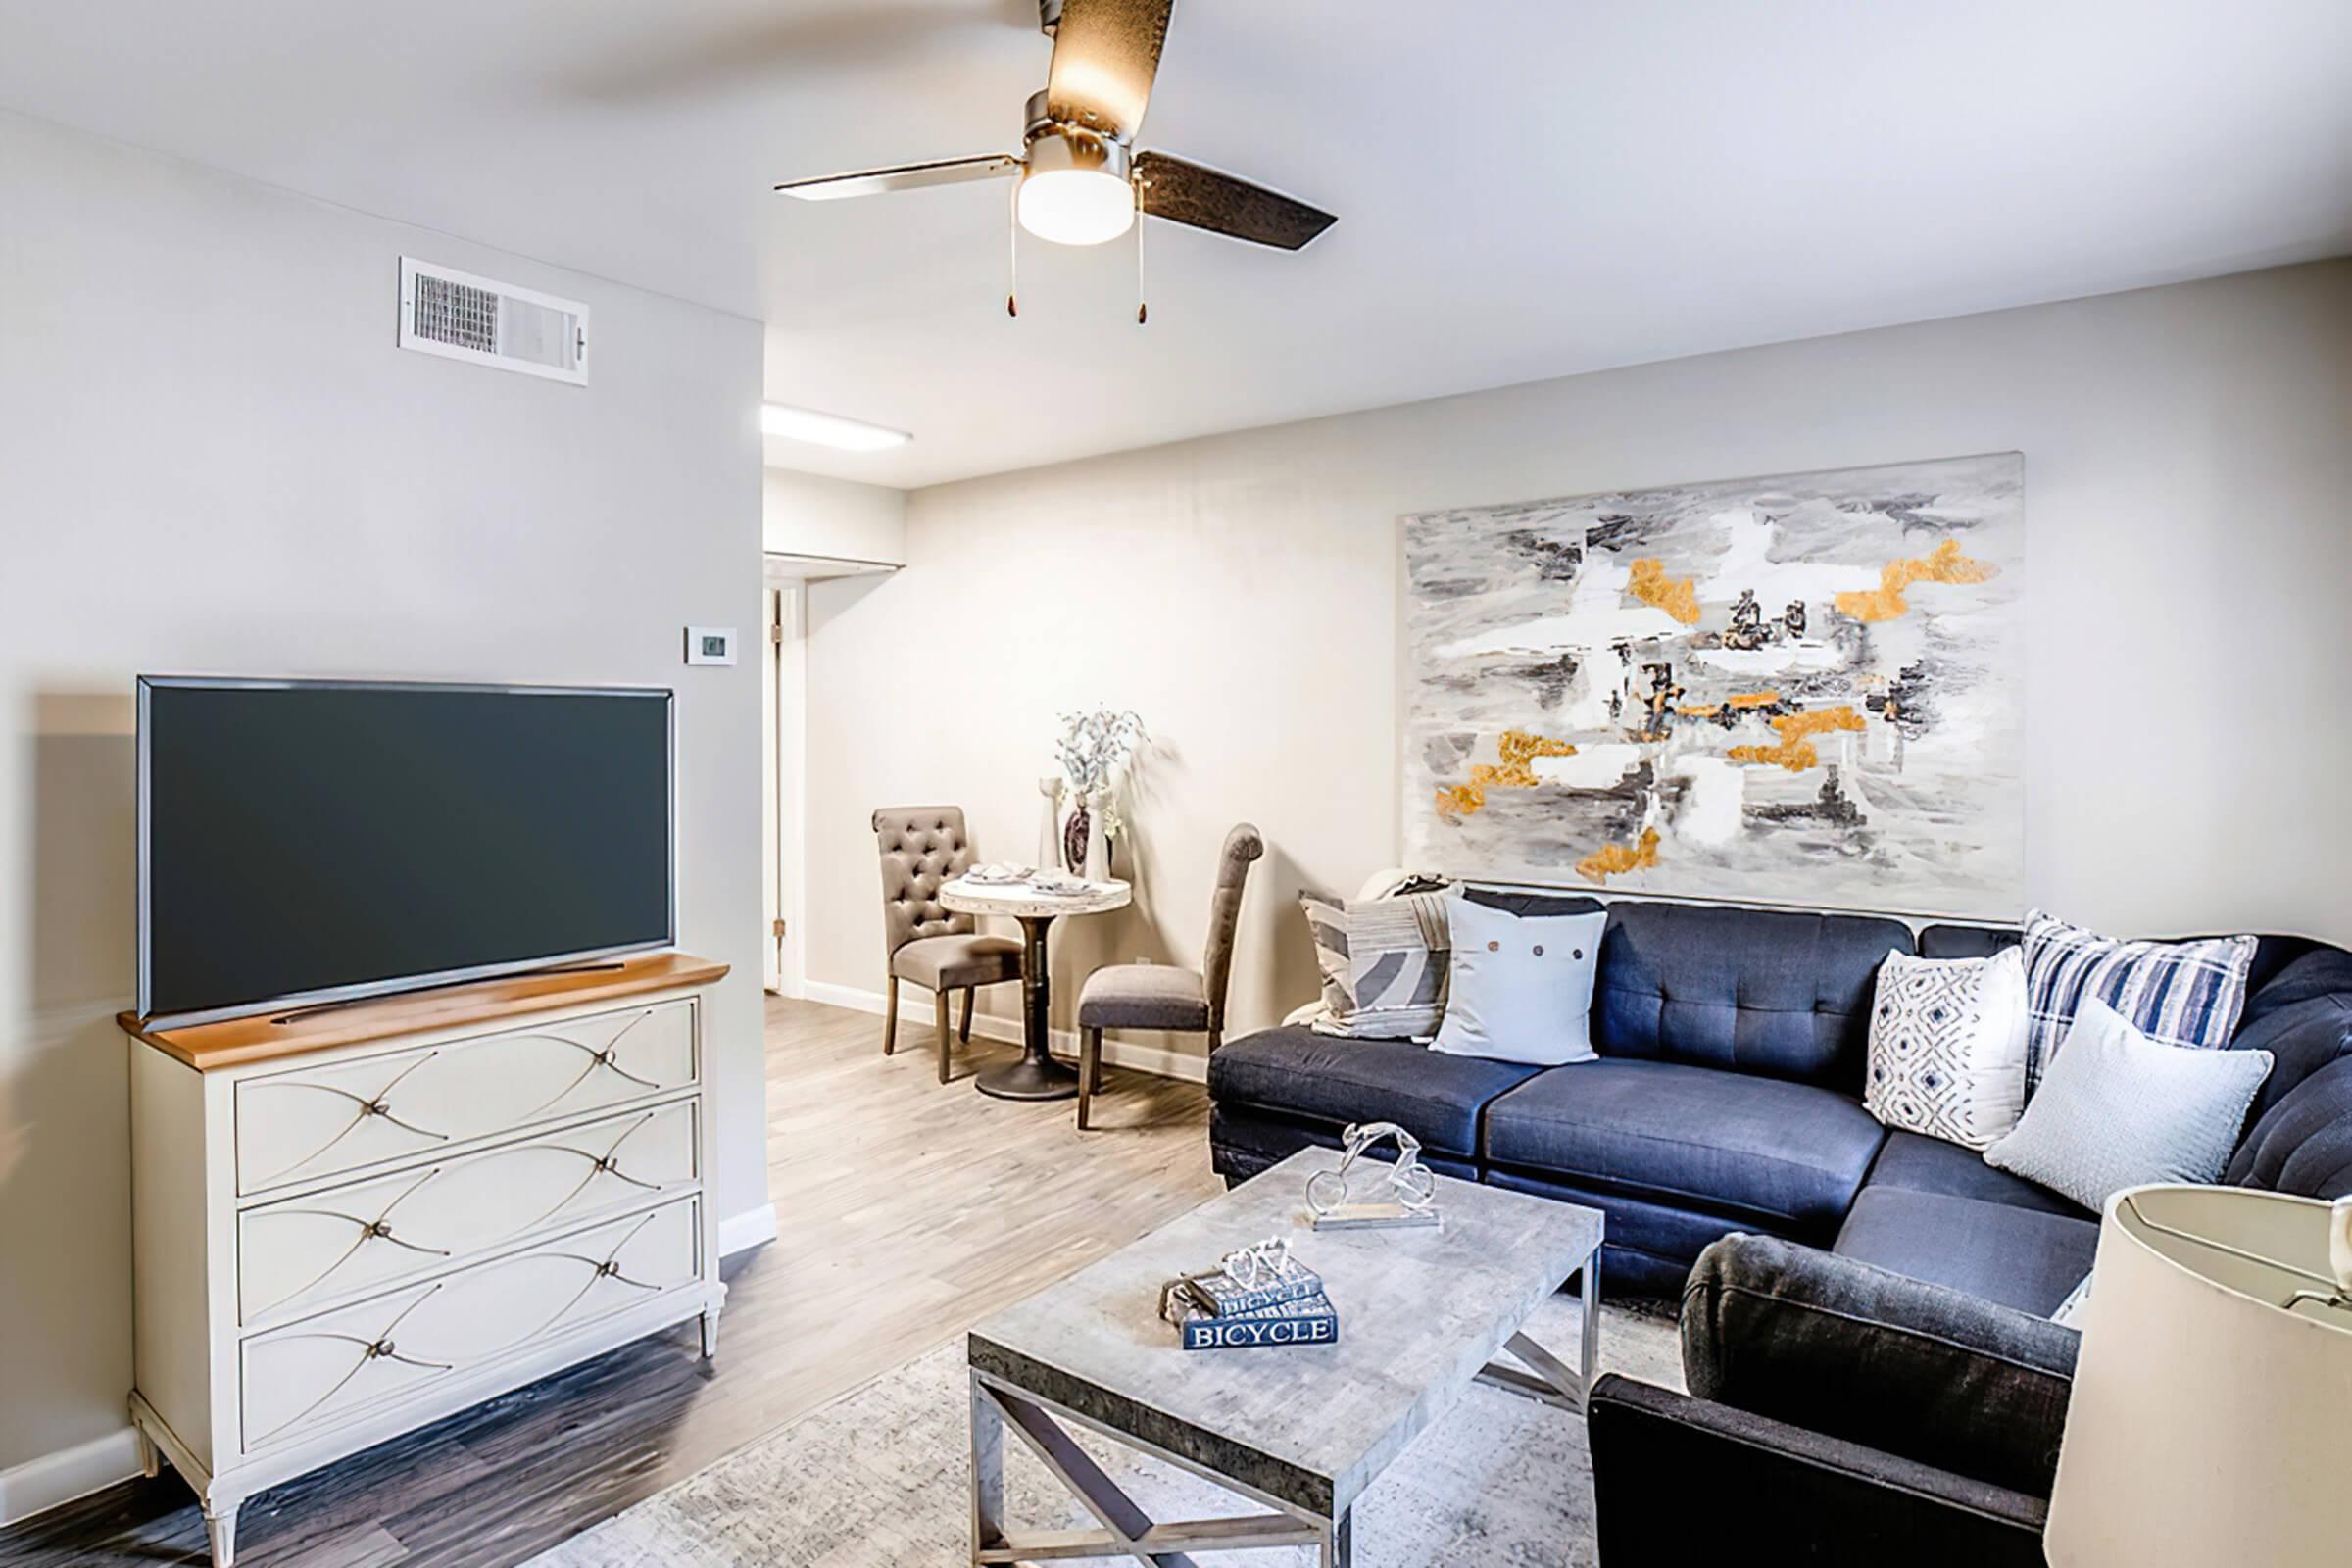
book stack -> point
(1212, 1311)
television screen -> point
(304, 841)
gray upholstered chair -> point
(923, 846)
(1161, 995)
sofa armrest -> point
(1677, 1481)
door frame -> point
(784, 751)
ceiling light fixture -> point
(1075, 189)
(828, 430)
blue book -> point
(1310, 1320)
(1222, 1297)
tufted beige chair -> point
(1161, 995)
(923, 846)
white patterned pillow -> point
(2187, 994)
(1947, 1047)
(2119, 1109)
(1384, 964)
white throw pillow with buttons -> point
(1520, 989)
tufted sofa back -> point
(922, 847)
(1756, 991)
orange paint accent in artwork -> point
(1677, 596)
(1615, 860)
(1944, 563)
(1517, 771)
(1794, 749)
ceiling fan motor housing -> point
(1052, 144)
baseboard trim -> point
(914, 1007)
(748, 1229)
(56, 1479)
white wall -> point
(2188, 494)
(213, 458)
(809, 515)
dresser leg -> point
(151, 1458)
(221, 1528)
(710, 1324)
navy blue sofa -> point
(1728, 1098)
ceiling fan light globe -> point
(1076, 206)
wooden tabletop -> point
(1421, 1311)
(266, 1036)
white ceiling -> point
(1526, 188)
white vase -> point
(1097, 839)
(1049, 823)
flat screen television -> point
(305, 842)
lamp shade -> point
(2211, 1416)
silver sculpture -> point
(1411, 1199)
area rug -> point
(878, 1477)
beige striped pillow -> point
(1384, 964)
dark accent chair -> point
(1161, 995)
(1842, 1413)
(922, 847)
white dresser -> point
(354, 1221)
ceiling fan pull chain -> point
(1142, 310)
(1012, 245)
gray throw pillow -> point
(2117, 1109)
(1383, 964)
(1520, 989)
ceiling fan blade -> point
(1202, 197)
(1105, 53)
(906, 176)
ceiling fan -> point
(1082, 183)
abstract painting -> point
(1802, 688)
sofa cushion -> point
(1966, 940)
(1756, 991)
(2304, 1145)
(1786, 1156)
(1298, 1071)
(1242, 1142)
(2022, 1257)
(1917, 1164)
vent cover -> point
(460, 316)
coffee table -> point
(1298, 1430)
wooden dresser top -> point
(263, 1036)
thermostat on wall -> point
(709, 645)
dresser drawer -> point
(357, 1361)
(312, 1122)
(377, 1232)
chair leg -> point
(940, 1006)
(965, 1033)
(889, 1014)
(1090, 1067)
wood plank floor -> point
(907, 1212)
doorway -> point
(785, 668)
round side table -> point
(1037, 1075)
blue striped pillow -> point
(2187, 994)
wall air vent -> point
(462, 317)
